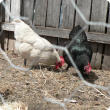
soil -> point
(18, 86)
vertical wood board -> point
(3, 13)
(40, 12)
(4, 40)
(53, 13)
(7, 20)
(99, 12)
(11, 42)
(98, 60)
(108, 28)
(28, 10)
(0, 21)
(0, 12)
(52, 40)
(94, 48)
(67, 20)
(85, 7)
(15, 12)
(53, 16)
(106, 59)
(67, 15)
(15, 8)
(61, 43)
(7, 17)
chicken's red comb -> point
(89, 64)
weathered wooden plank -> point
(53, 16)
(7, 26)
(53, 32)
(67, 20)
(0, 12)
(27, 10)
(0, 21)
(7, 17)
(85, 7)
(3, 13)
(97, 50)
(67, 15)
(64, 33)
(40, 12)
(96, 57)
(52, 40)
(94, 48)
(98, 15)
(53, 13)
(4, 40)
(11, 46)
(7, 20)
(15, 8)
(106, 59)
(62, 43)
(15, 12)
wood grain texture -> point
(62, 43)
(94, 48)
(0, 12)
(67, 21)
(53, 16)
(52, 40)
(4, 40)
(27, 10)
(15, 12)
(7, 20)
(15, 8)
(64, 33)
(106, 59)
(7, 17)
(99, 12)
(97, 52)
(11, 46)
(40, 13)
(0, 23)
(53, 13)
(67, 15)
(98, 15)
(3, 13)
(85, 7)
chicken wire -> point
(84, 82)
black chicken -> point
(80, 50)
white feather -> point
(33, 47)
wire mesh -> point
(84, 82)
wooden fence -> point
(55, 18)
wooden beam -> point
(7, 27)
(63, 33)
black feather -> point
(80, 50)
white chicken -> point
(33, 47)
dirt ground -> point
(16, 85)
